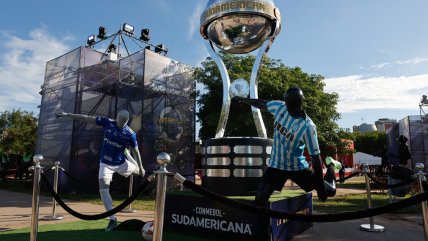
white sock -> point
(107, 201)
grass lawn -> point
(87, 231)
(75, 231)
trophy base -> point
(234, 165)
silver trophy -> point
(239, 27)
(234, 165)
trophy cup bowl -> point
(240, 33)
(239, 27)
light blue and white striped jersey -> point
(290, 137)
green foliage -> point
(273, 80)
(370, 142)
(17, 132)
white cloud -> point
(194, 20)
(412, 61)
(22, 66)
(162, 3)
(359, 93)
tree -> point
(17, 132)
(274, 78)
(370, 142)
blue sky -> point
(374, 53)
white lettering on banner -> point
(209, 211)
(214, 224)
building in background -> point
(383, 124)
(363, 128)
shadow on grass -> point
(95, 235)
(353, 202)
(75, 235)
(74, 231)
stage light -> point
(145, 35)
(111, 48)
(161, 48)
(102, 33)
(91, 40)
(128, 29)
(424, 100)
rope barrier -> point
(347, 177)
(47, 171)
(309, 218)
(407, 182)
(115, 210)
(77, 180)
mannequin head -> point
(122, 118)
(294, 101)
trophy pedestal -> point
(234, 165)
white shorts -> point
(125, 169)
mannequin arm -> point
(137, 156)
(79, 117)
(257, 103)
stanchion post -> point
(35, 201)
(371, 227)
(131, 184)
(162, 159)
(56, 168)
(421, 177)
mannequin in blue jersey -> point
(293, 132)
(115, 156)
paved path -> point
(397, 228)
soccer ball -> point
(147, 231)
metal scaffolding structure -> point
(157, 91)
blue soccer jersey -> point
(115, 141)
(290, 137)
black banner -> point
(188, 213)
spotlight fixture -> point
(161, 48)
(128, 29)
(91, 40)
(111, 48)
(148, 48)
(102, 33)
(424, 100)
(145, 35)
